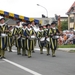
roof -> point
(16, 16)
(71, 8)
(11, 22)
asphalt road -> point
(38, 64)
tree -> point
(64, 25)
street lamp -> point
(44, 8)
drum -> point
(3, 35)
(42, 39)
(55, 37)
(32, 37)
(48, 39)
(3, 41)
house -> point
(71, 17)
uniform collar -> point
(24, 28)
(41, 30)
(54, 28)
(2, 24)
(18, 27)
(29, 29)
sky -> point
(29, 8)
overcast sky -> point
(29, 8)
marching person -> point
(24, 53)
(29, 39)
(3, 36)
(44, 40)
(17, 33)
(50, 34)
(10, 38)
(41, 38)
(48, 26)
(53, 32)
(47, 39)
(33, 26)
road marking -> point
(22, 67)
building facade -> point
(71, 17)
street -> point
(38, 64)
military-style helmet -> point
(28, 23)
(47, 25)
(1, 18)
(10, 27)
(24, 24)
(53, 23)
(40, 26)
(18, 21)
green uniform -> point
(33, 41)
(10, 40)
(18, 32)
(14, 33)
(47, 41)
(3, 39)
(52, 33)
(41, 40)
(23, 42)
(29, 40)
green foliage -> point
(64, 25)
(67, 46)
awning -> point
(16, 16)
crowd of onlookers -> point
(67, 37)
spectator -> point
(60, 40)
(74, 39)
(69, 37)
(64, 37)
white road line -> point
(22, 67)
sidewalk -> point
(66, 49)
(59, 49)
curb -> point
(66, 49)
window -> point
(71, 19)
